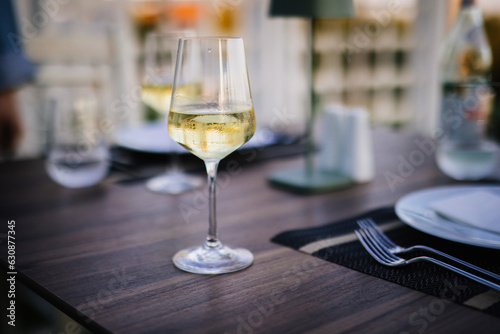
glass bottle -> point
(464, 152)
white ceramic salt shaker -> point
(357, 160)
(330, 156)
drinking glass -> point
(156, 92)
(211, 115)
(77, 152)
(465, 150)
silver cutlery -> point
(383, 256)
(384, 241)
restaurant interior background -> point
(386, 59)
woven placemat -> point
(337, 243)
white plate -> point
(413, 210)
(154, 138)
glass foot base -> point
(174, 183)
(213, 260)
(298, 180)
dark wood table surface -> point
(107, 251)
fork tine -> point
(368, 225)
(368, 248)
(388, 241)
(365, 225)
(371, 224)
(383, 251)
(376, 252)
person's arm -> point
(15, 69)
(10, 122)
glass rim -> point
(210, 38)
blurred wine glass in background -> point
(160, 52)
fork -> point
(369, 225)
(383, 256)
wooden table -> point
(107, 251)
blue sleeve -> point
(15, 68)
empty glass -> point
(77, 153)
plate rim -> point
(445, 234)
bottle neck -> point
(469, 15)
(466, 3)
(467, 54)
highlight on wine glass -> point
(211, 115)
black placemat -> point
(337, 243)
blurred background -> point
(386, 59)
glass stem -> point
(174, 165)
(212, 241)
(310, 121)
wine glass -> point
(156, 92)
(211, 115)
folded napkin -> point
(336, 242)
(479, 208)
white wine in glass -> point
(156, 93)
(157, 96)
(212, 133)
(211, 121)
